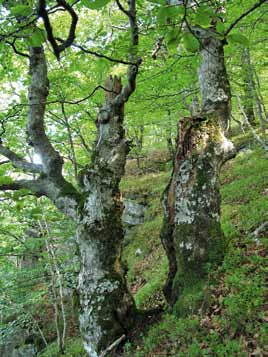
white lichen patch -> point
(184, 213)
(93, 209)
(226, 144)
(90, 351)
(94, 287)
(184, 209)
(186, 245)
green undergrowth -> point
(232, 314)
(73, 348)
(143, 252)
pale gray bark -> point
(214, 85)
(191, 233)
(107, 307)
(248, 86)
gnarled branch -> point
(19, 162)
(43, 13)
(37, 96)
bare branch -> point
(246, 13)
(75, 102)
(19, 162)
(4, 162)
(130, 86)
(99, 55)
(34, 186)
(71, 36)
(71, 142)
(120, 6)
(36, 136)
(12, 44)
(113, 346)
(43, 13)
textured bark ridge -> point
(107, 308)
(191, 233)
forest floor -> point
(227, 315)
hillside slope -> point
(228, 315)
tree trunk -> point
(107, 307)
(249, 86)
(191, 233)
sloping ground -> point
(229, 315)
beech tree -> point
(191, 233)
(95, 203)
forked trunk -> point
(107, 307)
(191, 233)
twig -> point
(113, 345)
(254, 7)
(99, 55)
(256, 136)
(43, 13)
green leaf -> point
(220, 28)
(203, 19)
(161, 2)
(238, 38)
(5, 180)
(168, 13)
(173, 38)
(95, 4)
(38, 37)
(191, 44)
(21, 10)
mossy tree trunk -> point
(191, 233)
(107, 308)
(95, 205)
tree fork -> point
(107, 306)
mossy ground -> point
(224, 316)
(228, 314)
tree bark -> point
(107, 307)
(249, 86)
(191, 232)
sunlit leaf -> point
(21, 10)
(238, 38)
(191, 44)
(95, 4)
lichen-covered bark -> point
(107, 308)
(191, 233)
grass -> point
(148, 269)
(74, 348)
